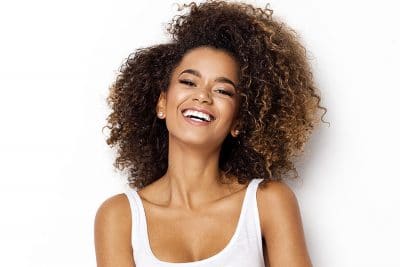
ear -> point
(161, 103)
(235, 129)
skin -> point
(190, 190)
(193, 151)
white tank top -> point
(244, 248)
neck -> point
(193, 175)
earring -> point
(160, 114)
(236, 133)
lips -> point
(201, 110)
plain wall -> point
(57, 60)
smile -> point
(196, 117)
(201, 116)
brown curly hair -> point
(279, 100)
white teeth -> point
(199, 114)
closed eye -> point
(224, 92)
(187, 82)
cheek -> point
(226, 108)
(175, 98)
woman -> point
(207, 126)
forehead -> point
(209, 62)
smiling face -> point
(205, 80)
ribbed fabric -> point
(244, 248)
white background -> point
(57, 60)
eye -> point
(224, 92)
(190, 83)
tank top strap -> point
(251, 231)
(137, 218)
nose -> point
(202, 96)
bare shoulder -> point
(277, 204)
(117, 205)
(271, 193)
(112, 232)
(281, 225)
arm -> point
(112, 233)
(281, 226)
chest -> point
(176, 236)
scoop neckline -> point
(231, 242)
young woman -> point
(207, 126)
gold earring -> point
(236, 133)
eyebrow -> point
(218, 79)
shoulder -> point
(281, 225)
(276, 192)
(114, 209)
(277, 203)
(112, 232)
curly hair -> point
(279, 100)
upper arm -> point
(281, 226)
(112, 233)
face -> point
(201, 102)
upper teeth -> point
(196, 113)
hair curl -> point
(279, 103)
